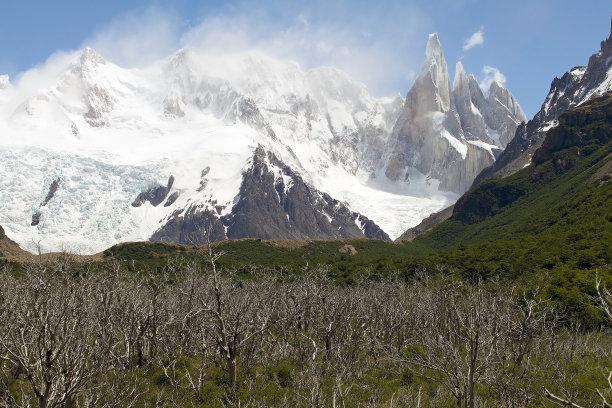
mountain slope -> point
(273, 203)
(561, 205)
(10, 250)
(97, 154)
(572, 89)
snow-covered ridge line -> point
(112, 133)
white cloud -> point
(475, 39)
(337, 35)
(324, 47)
(313, 34)
(491, 74)
(137, 39)
(5, 81)
(30, 82)
(302, 19)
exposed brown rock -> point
(347, 249)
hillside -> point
(10, 250)
(555, 214)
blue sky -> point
(381, 43)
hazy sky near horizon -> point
(523, 43)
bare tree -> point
(458, 335)
(604, 301)
(49, 337)
(240, 312)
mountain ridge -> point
(550, 199)
(574, 88)
(449, 134)
(114, 136)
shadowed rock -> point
(155, 195)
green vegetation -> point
(74, 334)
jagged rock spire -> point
(435, 69)
(448, 136)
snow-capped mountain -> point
(80, 152)
(200, 146)
(449, 134)
(575, 87)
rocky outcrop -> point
(449, 135)
(172, 198)
(37, 214)
(274, 202)
(196, 225)
(572, 89)
(597, 114)
(155, 195)
(52, 190)
(35, 218)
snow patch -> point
(329, 218)
(548, 125)
(457, 144)
(485, 146)
(360, 225)
(474, 109)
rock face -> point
(593, 119)
(581, 130)
(449, 134)
(195, 225)
(52, 190)
(98, 99)
(37, 214)
(285, 207)
(572, 89)
(156, 195)
(274, 202)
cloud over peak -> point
(475, 39)
(491, 74)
